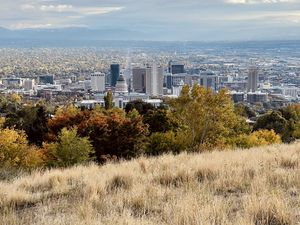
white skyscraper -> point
(154, 80)
(253, 79)
(98, 82)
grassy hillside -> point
(258, 186)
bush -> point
(160, 143)
(257, 138)
(69, 149)
(16, 152)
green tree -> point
(274, 121)
(70, 149)
(160, 143)
(108, 99)
(140, 106)
(292, 114)
(244, 111)
(160, 120)
(32, 119)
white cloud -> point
(258, 1)
(70, 8)
(29, 26)
(56, 8)
(97, 10)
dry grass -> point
(258, 186)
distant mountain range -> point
(72, 34)
(120, 38)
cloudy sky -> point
(163, 19)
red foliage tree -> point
(110, 133)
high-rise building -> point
(253, 79)
(169, 81)
(46, 79)
(176, 68)
(98, 82)
(115, 73)
(154, 80)
(139, 79)
(209, 80)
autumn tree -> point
(65, 117)
(115, 134)
(16, 152)
(209, 118)
(111, 132)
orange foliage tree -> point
(110, 132)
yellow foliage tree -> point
(208, 117)
(15, 98)
(15, 151)
(69, 110)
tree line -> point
(34, 135)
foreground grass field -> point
(259, 186)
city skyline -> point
(174, 20)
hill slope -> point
(257, 186)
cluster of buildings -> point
(151, 83)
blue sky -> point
(164, 19)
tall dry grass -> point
(259, 186)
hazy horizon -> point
(164, 20)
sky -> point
(162, 19)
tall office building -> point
(139, 79)
(98, 82)
(176, 68)
(115, 73)
(46, 79)
(209, 80)
(253, 79)
(169, 81)
(154, 80)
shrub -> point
(69, 149)
(160, 143)
(257, 138)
